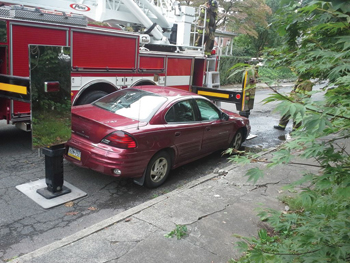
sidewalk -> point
(213, 208)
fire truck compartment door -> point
(104, 51)
(50, 95)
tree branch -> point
(291, 254)
(305, 164)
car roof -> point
(166, 91)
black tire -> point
(237, 140)
(92, 96)
(158, 170)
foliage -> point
(54, 130)
(46, 67)
(276, 74)
(239, 69)
(225, 66)
(243, 46)
(51, 111)
(266, 36)
(233, 74)
(180, 231)
(243, 16)
(317, 226)
(239, 16)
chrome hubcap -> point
(159, 169)
(237, 141)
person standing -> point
(250, 80)
(209, 14)
(301, 87)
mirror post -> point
(54, 172)
(50, 84)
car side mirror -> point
(224, 116)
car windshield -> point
(132, 103)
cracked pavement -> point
(214, 208)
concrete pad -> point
(29, 189)
(185, 208)
(215, 233)
(129, 230)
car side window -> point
(207, 110)
(180, 112)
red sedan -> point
(143, 132)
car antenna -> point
(138, 117)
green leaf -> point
(307, 197)
(180, 231)
(281, 156)
(242, 246)
(274, 97)
(254, 174)
(262, 234)
(343, 192)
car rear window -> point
(132, 103)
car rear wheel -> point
(158, 170)
(237, 140)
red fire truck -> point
(103, 59)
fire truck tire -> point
(237, 140)
(92, 96)
(158, 170)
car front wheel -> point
(158, 170)
(237, 140)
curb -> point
(109, 221)
(117, 218)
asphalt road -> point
(26, 226)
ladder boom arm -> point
(133, 7)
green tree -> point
(266, 35)
(242, 17)
(317, 228)
(239, 16)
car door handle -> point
(207, 128)
(177, 133)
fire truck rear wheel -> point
(237, 140)
(92, 96)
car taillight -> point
(120, 139)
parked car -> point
(144, 132)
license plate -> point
(74, 153)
